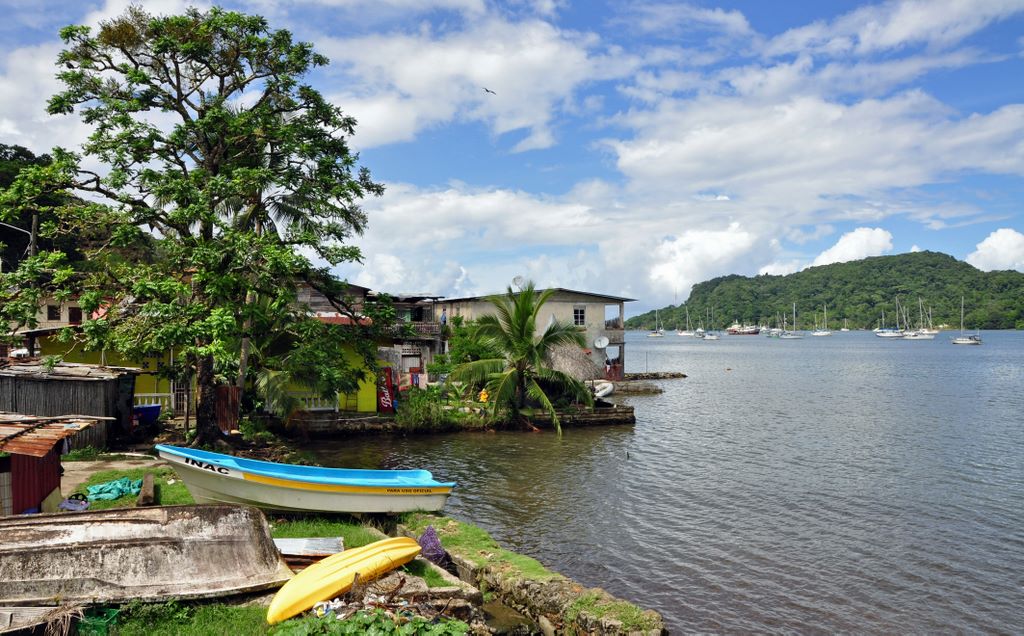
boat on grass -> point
(151, 554)
(217, 478)
(336, 574)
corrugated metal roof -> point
(36, 436)
(63, 371)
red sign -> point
(385, 392)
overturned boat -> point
(151, 554)
(213, 477)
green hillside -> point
(858, 291)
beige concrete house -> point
(600, 317)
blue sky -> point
(639, 148)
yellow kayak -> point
(334, 575)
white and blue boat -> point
(218, 478)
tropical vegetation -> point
(858, 292)
(518, 375)
(224, 176)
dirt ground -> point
(76, 473)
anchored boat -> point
(213, 477)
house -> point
(35, 388)
(600, 317)
(54, 316)
(30, 449)
(416, 336)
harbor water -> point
(839, 484)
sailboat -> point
(688, 332)
(659, 331)
(823, 331)
(845, 328)
(972, 339)
(921, 333)
(710, 334)
(791, 335)
(883, 332)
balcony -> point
(420, 330)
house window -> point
(53, 312)
(75, 315)
(579, 316)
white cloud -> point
(398, 84)
(1002, 249)
(781, 268)
(894, 25)
(915, 248)
(657, 17)
(860, 243)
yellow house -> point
(150, 388)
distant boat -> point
(922, 332)
(823, 331)
(658, 331)
(845, 328)
(962, 339)
(688, 332)
(791, 335)
(888, 332)
(710, 334)
(216, 478)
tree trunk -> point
(207, 431)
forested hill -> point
(857, 291)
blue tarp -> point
(115, 489)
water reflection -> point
(833, 484)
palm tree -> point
(522, 371)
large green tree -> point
(205, 130)
(521, 374)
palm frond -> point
(477, 371)
(537, 393)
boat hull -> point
(151, 554)
(213, 482)
(335, 575)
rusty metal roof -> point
(36, 436)
(63, 371)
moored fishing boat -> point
(217, 478)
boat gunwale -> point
(336, 476)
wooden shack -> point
(30, 449)
(35, 388)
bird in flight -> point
(487, 90)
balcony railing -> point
(430, 330)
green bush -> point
(430, 410)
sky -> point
(636, 149)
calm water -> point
(818, 485)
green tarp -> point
(114, 489)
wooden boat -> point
(217, 478)
(334, 575)
(151, 554)
(23, 619)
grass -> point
(351, 531)
(427, 573)
(89, 454)
(632, 617)
(175, 619)
(166, 494)
(476, 545)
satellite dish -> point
(518, 282)
(601, 342)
